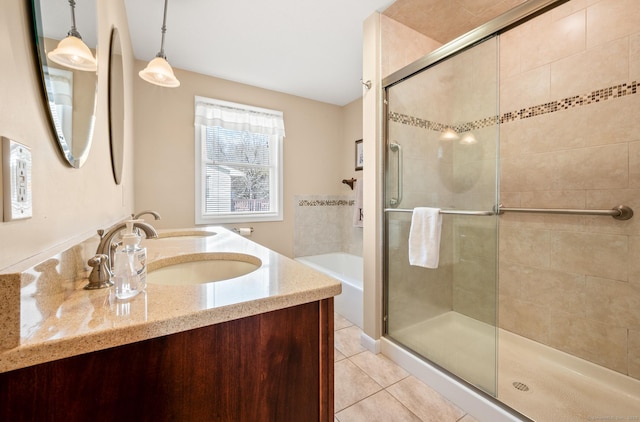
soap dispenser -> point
(130, 265)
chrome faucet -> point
(102, 263)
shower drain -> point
(520, 386)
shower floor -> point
(538, 381)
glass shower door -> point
(442, 143)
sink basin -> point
(201, 268)
(186, 234)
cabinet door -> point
(276, 366)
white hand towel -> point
(424, 237)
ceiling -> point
(307, 48)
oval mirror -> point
(116, 105)
(69, 77)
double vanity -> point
(226, 330)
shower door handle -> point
(394, 202)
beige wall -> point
(318, 149)
(67, 203)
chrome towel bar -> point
(621, 212)
(458, 212)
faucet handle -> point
(100, 276)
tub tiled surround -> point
(324, 223)
(573, 282)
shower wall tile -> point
(509, 279)
(564, 130)
(510, 52)
(323, 224)
(603, 167)
(524, 89)
(634, 262)
(516, 139)
(540, 39)
(608, 65)
(565, 198)
(592, 340)
(474, 90)
(598, 168)
(634, 353)
(598, 255)
(528, 247)
(606, 122)
(570, 8)
(545, 287)
(611, 121)
(611, 19)
(474, 272)
(613, 302)
(528, 172)
(524, 318)
(634, 56)
(634, 165)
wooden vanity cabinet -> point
(276, 366)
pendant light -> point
(72, 52)
(158, 71)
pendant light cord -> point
(164, 30)
(73, 31)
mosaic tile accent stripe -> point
(600, 95)
(416, 122)
(325, 202)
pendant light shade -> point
(159, 71)
(72, 52)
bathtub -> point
(348, 269)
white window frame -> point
(275, 188)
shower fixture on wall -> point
(71, 51)
(159, 71)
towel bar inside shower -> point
(620, 212)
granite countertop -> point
(58, 318)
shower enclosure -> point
(513, 117)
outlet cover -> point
(16, 180)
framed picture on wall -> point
(359, 155)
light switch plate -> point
(16, 180)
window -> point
(238, 162)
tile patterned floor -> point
(372, 388)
